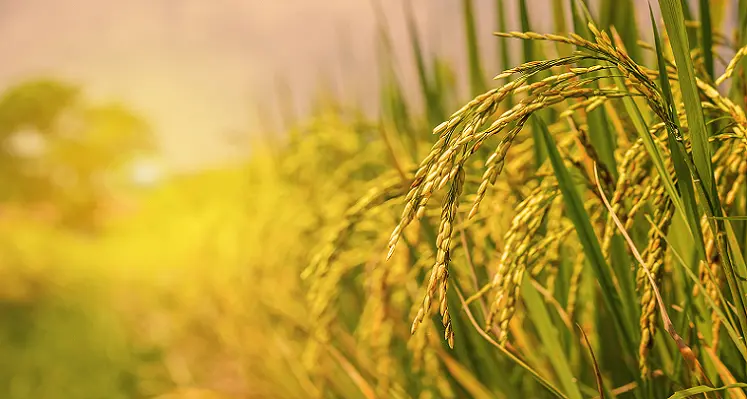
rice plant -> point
(590, 238)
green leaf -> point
(706, 35)
(549, 336)
(730, 217)
(600, 134)
(476, 76)
(517, 361)
(433, 106)
(686, 393)
(580, 218)
(674, 22)
(528, 55)
(678, 152)
(621, 14)
(652, 149)
(504, 57)
(465, 377)
(558, 12)
(702, 170)
(725, 316)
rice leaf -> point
(621, 15)
(559, 22)
(465, 377)
(651, 148)
(730, 217)
(600, 133)
(692, 37)
(433, 106)
(690, 392)
(549, 336)
(687, 353)
(580, 218)
(706, 36)
(674, 22)
(504, 57)
(476, 76)
(678, 153)
(539, 378)
(702, 170)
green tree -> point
(62, 150)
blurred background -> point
(168, 166)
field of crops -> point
(576, 228)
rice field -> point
(576, 228)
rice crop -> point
(590, 237)
(575, 228)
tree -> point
(59, 149)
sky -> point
(200, 70)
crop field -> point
(574, 228)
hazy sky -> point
(196, 68)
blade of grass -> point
(551, 344)
(690, 392)
(559, 22)
(691, 32)
(476, 76)
(464, 377)
(621, 15)
(433, 106)
(738, 258)
(675, 25)
(528, 55)
(724, 316)
(706, 36)
(580, 218)
(653, 151)
(353, 373)
(543, 381)
(729, 217)
(600, 134)
(705, 185)
(504, 57)
(711, 207)
(678, 154)
(724, 373)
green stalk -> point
(504, 58)
(528, 55)
(433, 106)
(558, 13)
(476, 76)
(706, 34)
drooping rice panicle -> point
(654, 255)
(512, 266)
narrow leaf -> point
(580, 218)
(551, 344)
(690, 392)
(674, 21)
